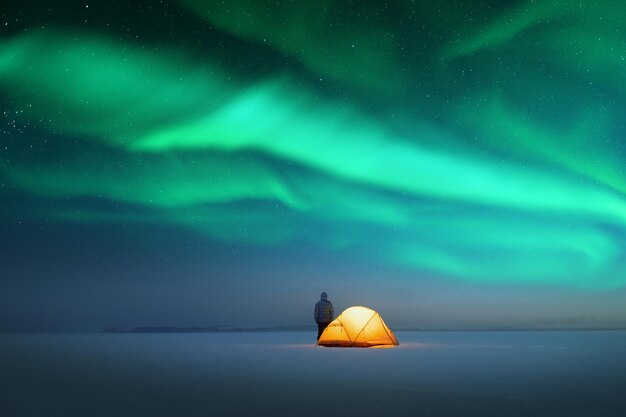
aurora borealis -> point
(478, 144)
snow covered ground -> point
(283, 374)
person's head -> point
(324, 296)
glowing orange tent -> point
(358, 327)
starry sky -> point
(450, 164)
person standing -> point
(324, 314)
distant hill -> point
(206, 329)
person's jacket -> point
(324, 312)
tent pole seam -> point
(365, 325)
(385, 329)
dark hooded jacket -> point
(324, 312)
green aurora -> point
(484, 148)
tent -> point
(358, 327)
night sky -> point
(188, 163)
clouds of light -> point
(267, 162)
(584, 39)
(362, 53)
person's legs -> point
(320, 328)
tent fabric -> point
(358, 327)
